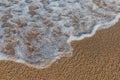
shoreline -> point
(47, 40)
(96, 28)
(95, 57)
(72, 39)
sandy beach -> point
(94, 58)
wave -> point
(37, 32)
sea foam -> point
(37, 32)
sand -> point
(94, 58)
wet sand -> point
(94, 58)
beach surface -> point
(94, 58)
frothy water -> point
(37, 32)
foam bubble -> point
(37, 32)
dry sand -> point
(94, 58)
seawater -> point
(37, 32)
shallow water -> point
(37, 32)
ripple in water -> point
(37, 32)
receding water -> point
(37, 32)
